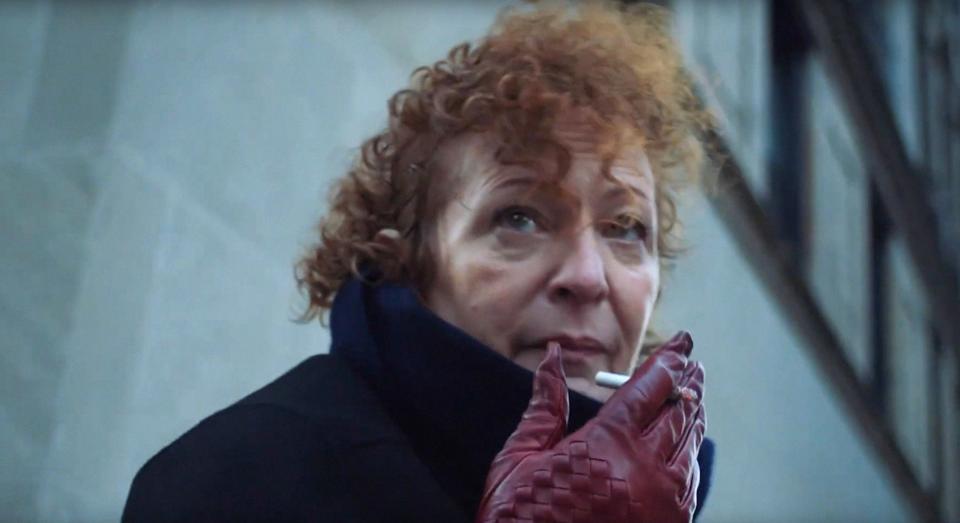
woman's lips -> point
(574, 359)
(580, 344)
(579, 354)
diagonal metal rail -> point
(837, 35)
(753, 231)
(902, 194)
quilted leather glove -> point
(636, 461)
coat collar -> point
(455, 399)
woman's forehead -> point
(470, 161)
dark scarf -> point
(456, 399)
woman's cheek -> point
(489, 307)
(484, 289)
(496, 292)
(497, 267)
(637, 296)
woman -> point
(495, 247)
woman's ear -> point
(390, 241)
(393, 250)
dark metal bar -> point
(833, 26)
(935, 416)
(787, 160)
(879, 235)
(738, 208)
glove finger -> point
(638, 401)
(688, 497)
(666, 432)
(544, 422)
(684, 456)
(686, 468)
(681, 342)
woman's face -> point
(520, 264)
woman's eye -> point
(518, 219)
(625, 228)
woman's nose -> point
(580, 275)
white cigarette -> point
(615, 381)
(611, 380)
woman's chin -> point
(529, 359)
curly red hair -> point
(617, 64)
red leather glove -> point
(636, 461)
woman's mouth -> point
(581, 355)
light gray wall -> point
(161, 166)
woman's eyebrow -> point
(509, 180)
(627, 192)
(527, 185)
(513, 182)
(510, 183)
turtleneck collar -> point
(456, 399)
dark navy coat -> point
(400, 422)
